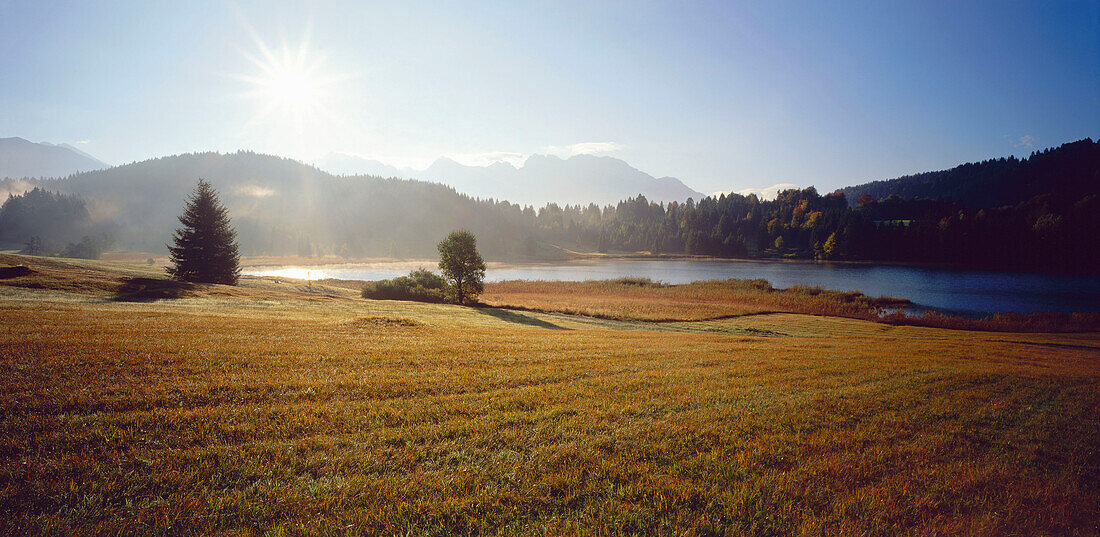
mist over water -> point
(962, 291)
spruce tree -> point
(205, 248)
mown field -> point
(130, 405)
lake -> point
(968, 292)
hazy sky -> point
(723, 95)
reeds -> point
(708, 300)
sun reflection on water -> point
(291, 272)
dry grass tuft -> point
(376, 321)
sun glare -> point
(292, 87)
(290, 84)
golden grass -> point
(285, 412)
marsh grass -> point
(718, 299)
(1004, 322)
(273, 410)
(644, 300)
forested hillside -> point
(280, 206)
(1046, 233)
(1071, 171)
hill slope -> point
(282, 205)
(1068, 172)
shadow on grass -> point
(518, 318)
(148, 289)
(17, 271)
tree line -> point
(1045, 233)
(52, 223)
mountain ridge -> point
(541, 179)
(21, 158)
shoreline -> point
(262, 262)
(290, 262)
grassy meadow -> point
(136, 406)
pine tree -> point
(205, 248)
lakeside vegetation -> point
(644, 300)
(268, 408)
(420, 285)
(462, 276)
(641, 299)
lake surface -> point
(968, 292)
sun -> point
(293, 87)
(290, 83)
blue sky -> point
(723, 95)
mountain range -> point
(585, 179)
(541, 179)
(21, 158)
